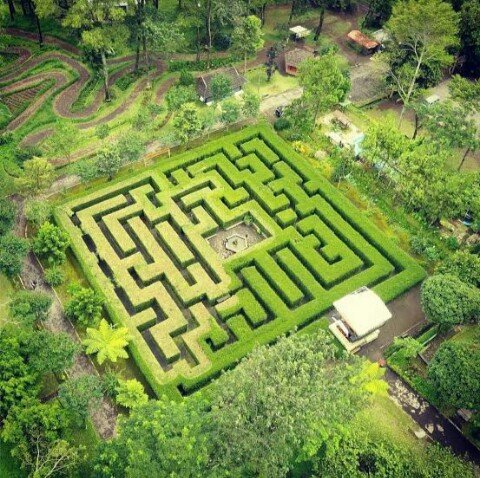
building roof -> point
(204, 82)
(300, 31)
(363, 311)
(363, 40)
(296, 56)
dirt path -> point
(105, 417)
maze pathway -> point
(145, 243)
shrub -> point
(50, 243)
(7, 215)
(54, 276)
(85, 306)
(423, 246)
(186, 78)
(38, 212)
(130, 393)
(447, 301)
(281, 124)
(463, 264)
(102, 130)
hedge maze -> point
(145, 243)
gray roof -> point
(296, 56)
(204, 82)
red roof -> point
(363, 40)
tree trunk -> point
(11, 8)
(320, 23)
(244, 63)
(262, 14)
(292, 11)
(209, 32)
(198, 43)
(463, 159)
(24, 7)
(137, 55)
(406, 100)
(39, 29)
(155, 4)
(146, 58)
(105, 76)
(417, 126)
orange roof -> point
(358, 37)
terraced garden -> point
(148, 242)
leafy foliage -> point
(454, 371)
(30, 307)
(13, 250)
(130, 394)
(85, 306)
(107, 342)
(7, 215)
(447, 301)
(50, 243)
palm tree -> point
(107, 342)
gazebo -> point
(360, 316)
(299, 32)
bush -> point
(50, 243)
(463, 264)
(186, 78)
(281, 124)
(179, 65)
(423, 246)
(38, 212)
(6, 138)
(54, 276)
(447, 301)
(7, 215)
(85, 306)
(25, 153)
(102, 130)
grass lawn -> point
(6, 290)
(257, 81)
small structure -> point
(344, 134)
(430, 100)
(236, 243)
(294, 57)
(204, 83)
(299, 32)
(360, 40)
(361, 314)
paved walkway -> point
(435, 425)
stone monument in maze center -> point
(151, 244)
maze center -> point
(195, 308)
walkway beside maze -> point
(105, 417)
(408, 319)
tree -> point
(81, 396)
(230, 111)
(13, 251)
(130, 147)
(379, 11)
(470, 34)
(31, 428)
(251, 104)
(451, 126)
(247, 37)
(177, 96)
(37, 175)
(50, 243)
(130, 393)
(425, 30)
(447, 301)
(454, 372)
(109, 161)
(85, 306)
(463, 264)
(383, 145)
(7, 216)
(300, 117)
(16, 379)
(103, 29)
(277, 424)
(42, 9)
(466, 92)
(187, 123)
(221, 87)
(37, 212)
(50, 352)
(163, 430)
(324, 82)
(64, 139)
(54, 276)
(107, 342)
(30, 307)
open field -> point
(194, 310)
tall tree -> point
(470, 35)
(247, 38)
(277, 424)
(378, 13)
(425, 30)
(37, 175)
(187, 122)
(103, 30)
(13, 250)
(454, 372)
(325, 82)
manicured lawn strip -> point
(409, 274)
